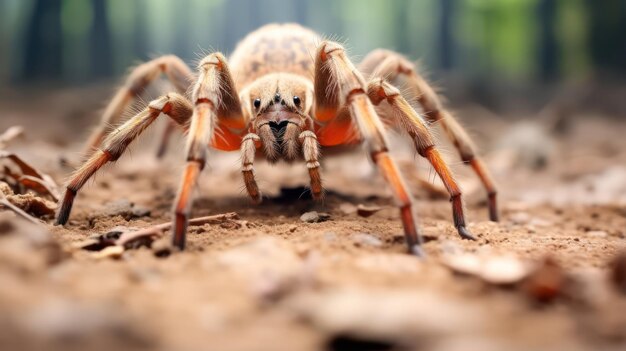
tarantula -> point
(273, 97)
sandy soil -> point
(268, 281)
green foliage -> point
(490, 39)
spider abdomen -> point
(274, 48)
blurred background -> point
(540, 86)
(507, 55)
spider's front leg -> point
(217, 108)
(338, 84)
(173, 105)
(391, 65)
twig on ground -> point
(5, 202)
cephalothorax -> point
(285, 93)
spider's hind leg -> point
(390, 65)
(404, 116)
(176, 71)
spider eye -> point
(296, 100)
(257, 103)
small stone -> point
(366, 211)
(347, 208)
(503, 270)
(162, 247)
(520, 218)
(121, 207)
(314, 217)
(540, 222)
(597, 234)
(467, 264)
(449, 247)
(293, 228)
(139, 211)
(126, 209)
(114, 252)
(367, 240)
(497, 270)
(330, 236)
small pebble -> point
(114, 252)
(597, 234)
(124, 208)
(314, 217)
(347, 208)
(503, 270)
(520, 218)
(366, 211)
(330, 236)
(367, 240)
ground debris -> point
(29, 177)
(270, 267)
(10, 134)
(547, 281)
(387, 315)
(618, 272)
(492, 269)
(114, 252)
(26, 247)
(347, 208)
(123, 208)
(131, 238)
(32, 204)
(366, 211)
(314, 217)
(14, 185)
(65, 323)
(367, 240)
(5, 194)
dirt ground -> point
(546, 277)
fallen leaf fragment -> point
(38, 185)
(366, 211)
(618, 272)
(547, 281)
(30, 171)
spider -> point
(273, 97)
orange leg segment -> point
(404, 116)
(173, 105)
(216, 103)
(334, 69)
(390, 65)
